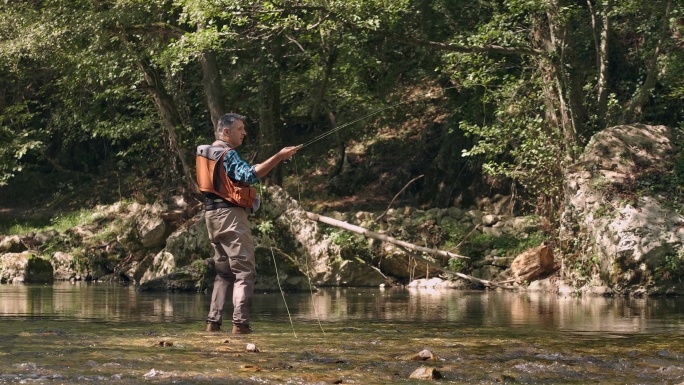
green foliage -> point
(458, 265)
(507, 244)
(76, 99)
(64, 222)
(585, 266)
(344, 238)
(199, 266)
(475, 244)
(266, 228)
(605, 210)
(674, 264)
(61, 223)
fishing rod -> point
(338, 128)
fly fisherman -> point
(225, 179)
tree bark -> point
(211, 81)
(595, 31)
(172, 120)
(633, 110)
(338, 164)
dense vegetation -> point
(104, 100)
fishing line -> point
(308, 274)
(275, 267)
(282, 292)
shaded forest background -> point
(106, 100)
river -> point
(87, 332)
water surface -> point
(86, 332)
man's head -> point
(231, 128)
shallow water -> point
(93, 332)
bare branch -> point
(395, 197)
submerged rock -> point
(423, 355)
(425, 373)
(252, 348)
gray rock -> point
(12, 244)
(66, 267)
(492, 231)
(489, 219)
(425, 373)
(24, 268)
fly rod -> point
(334, 130)
(338, 128)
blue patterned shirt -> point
(239, 170)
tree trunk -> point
(329, 65)
(211, 81)
(603, 64)
(269, 106)
(568, 87)
(633, 111)
(172, 120)
(338, 164)
(561, 87)
(556, 108)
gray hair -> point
(226, 121)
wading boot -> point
(241, 329)
(213, 327)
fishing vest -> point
(212, 178)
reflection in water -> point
(96, 301)
(114, 303)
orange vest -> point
(213, 179)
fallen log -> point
(381, 237)
(405, 246)
(470, 278)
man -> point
(228, 198)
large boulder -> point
(152, 227)
(184, 246)
(629, 234)
(24, 268)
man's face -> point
(236, 134)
